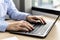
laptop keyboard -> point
(40, 29)
(36, 27)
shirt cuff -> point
(3, 26)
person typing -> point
(7, 7)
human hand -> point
(35, 19)
(20, 26)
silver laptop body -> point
(40, 30)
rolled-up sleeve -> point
(3, 25)
(14, 13)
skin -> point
(24, 25)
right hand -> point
(20, 26)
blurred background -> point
(26, 5)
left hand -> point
(35, 19)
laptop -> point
(39, 29)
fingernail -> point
(33, 27)
(30, 29)
(43, 22)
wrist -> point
(27, 18)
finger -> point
(27, 26)
(31, 26)
(40, 20)
(23, 29)
(19, 28)
(33, 20)
(43, 20)
(36, 18)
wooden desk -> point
(53, 35)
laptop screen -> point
(52, 11)
(49, 6)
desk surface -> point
(53, 35)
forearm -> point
(14, 13)
(19, 16)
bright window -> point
(45, 3)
